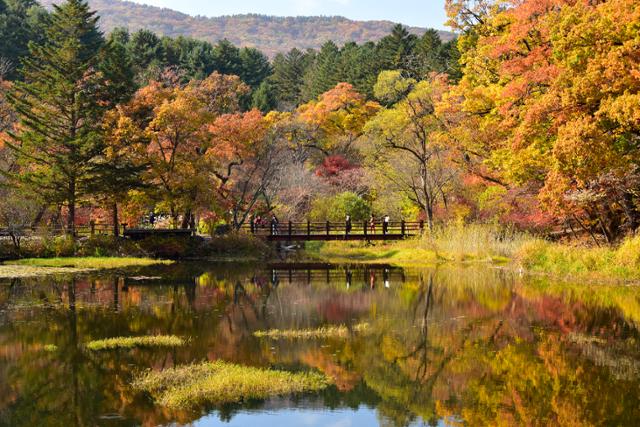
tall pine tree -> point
(60, 108)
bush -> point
(628, 255)
(60, 246)
(338, 207)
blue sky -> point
(423, 13)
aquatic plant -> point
(340, 331)
(221, 382)
(131, 342)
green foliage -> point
(220, 382)
(135, 342)
(21, 22)
(263, 98)
(336, 208)
(60, 106)
(391, 86)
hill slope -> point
(267, 33)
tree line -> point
(521, 121)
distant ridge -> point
(268, 33)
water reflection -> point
(452, 345)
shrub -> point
(628, 255)
(338, 207)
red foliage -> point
(333, 166)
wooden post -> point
(124, 228)
(92, 224)
(309, 229)
(403, 225)
(328, 228)
(290, 229)
(364, 224)
(422, 227)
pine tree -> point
(288, 77)
(60, 108)
(255, 67)
(20, 22)
(324, 73)
(395, 50)
(263, 98)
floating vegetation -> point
(222, 382)
(340, 331)
(131, 342)
(50, 348)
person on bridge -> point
(385, 224)
(372, 224)
(274, 224)
(347, 226)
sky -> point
(420, 13)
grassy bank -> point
(620, 262)
(37, 267)
(220, 382)
(88, 263)
(476, 243)
(471, 243)
(231, 246)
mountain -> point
(268, 33)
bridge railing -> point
(317, 229)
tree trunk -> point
(71, 216)
(631, 211)
(186, 220)
(115, 219)
(429, 212)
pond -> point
(470, 345)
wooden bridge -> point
(334, 231)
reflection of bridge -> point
(356, 275)
(323, 231)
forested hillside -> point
(269, 34)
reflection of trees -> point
(461, 343)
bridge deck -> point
(334, 231)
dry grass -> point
(220, 382)
(132, 342)
(25, 271)
(593, 262)
(89, 263)
(340, 331)
(467, 243)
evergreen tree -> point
(288, 77)
(117, 70)
(263, 98)
(359, 66)
(227, 58)
(146, 53)
(255, 67)
(323, 74)
(20, 23)
(60, 108)
(396, 49)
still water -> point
(447, 346)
